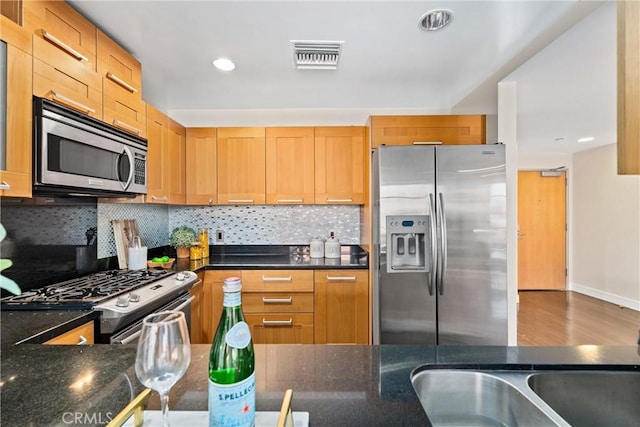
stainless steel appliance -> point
(439, 245)
(121, 297)
(75, 154)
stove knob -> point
(181, 276)
(133, 297)
(122, 301)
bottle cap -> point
(232, 284)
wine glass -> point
(163, 354)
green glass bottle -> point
(232, 380)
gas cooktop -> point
(83, 292)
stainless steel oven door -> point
(130, 334)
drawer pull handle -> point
(339, 200)
(276, 279)
(240, 201)
(341, 278)
(289, 200)
(159, 198)
(121, 82)
(62, 45)
(82, 341)
(277, 300)
(4, 185)
(427, 142)
(70, 102)
(266, 322)
(126, 126)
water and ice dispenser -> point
(407, 248)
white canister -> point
(332, 247)
(316, 249)
(137, 256)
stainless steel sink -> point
(593, 398)
(503, 397)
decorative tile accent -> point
(48, 225)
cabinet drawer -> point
(277, 280)
(281, 328)
(83, 334)
(277, 302)
(130, 117)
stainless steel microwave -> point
(77, 155)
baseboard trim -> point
(605, 296)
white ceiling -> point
(388, 64)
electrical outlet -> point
(219, 236)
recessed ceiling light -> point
(586, 139)
(435, 19)
(224, 64)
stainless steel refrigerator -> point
(439, 245)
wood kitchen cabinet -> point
(278, 305)
(201, 172)
(197, 292)
(82, 335)
(341, 307)
(241, 166)
(64, 56)
(290, 165)
(177, 185)
(158, 157)
(212, 297)
(121, 75)
(15, 168)
(409, 130)
(339, 165)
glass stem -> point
(164, 405)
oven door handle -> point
(131, 338)
(184, 304)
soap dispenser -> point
(332, 247)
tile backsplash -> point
(242, 225)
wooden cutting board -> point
(124, 231)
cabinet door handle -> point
(427, 142)
(126, 126)
(240, 200)
(290, 200)
(62, 45)
(266, 322)
(276, 279)
(277, 300)
(339, 200)
(71, 102)
(159, 198)
(341, 278)
(121, 82)
(4, 185)
(82, 340)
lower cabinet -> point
(341, 307)
(197, 291)
(212, 296)
(82, 335)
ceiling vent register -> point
(316, 55)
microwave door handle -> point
(127, 152)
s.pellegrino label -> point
(232, 384)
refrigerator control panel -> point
(407, 248)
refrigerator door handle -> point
(443, 244)
(434, 248)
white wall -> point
(605, 229)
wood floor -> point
(569, 318)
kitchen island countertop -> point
(337, 385)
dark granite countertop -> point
(38, 326)
(337, 385)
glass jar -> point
(195, 252)
(203, 238)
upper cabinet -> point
(177, 185)
(444, 129)
(241, 166)
(340, 165)
(201, 172)
(121, 77)
(158, 157)
(16, 110)
(290, 165)
(628, 88)
(64, 56)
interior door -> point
(542, 231)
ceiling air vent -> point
(316, 55)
